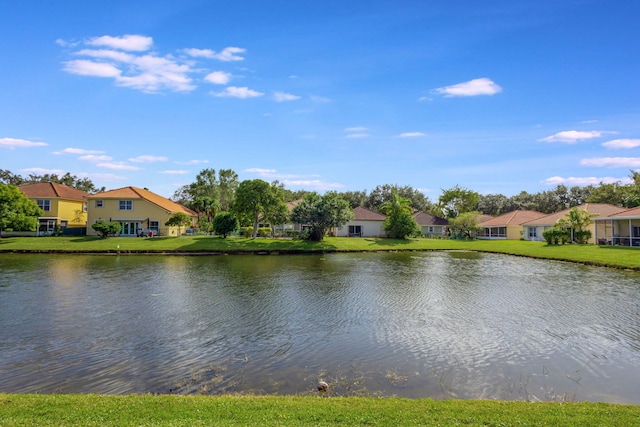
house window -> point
(533, 232)
(430, 229)
(154, 226)
(64, 223)
(99, 203)
(636, 231)
(126, 205)
(45, 205)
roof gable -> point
(363, 214)
(423, 218)
(517, 217)
(141, 193)
(52, 190)
(629, 213)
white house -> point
(365, 223)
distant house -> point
(622, 228)
(136, 209)
(533, 229)
(365, 223)
(431, 225)
(64, 207)
(507, 226)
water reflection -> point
(441, 324)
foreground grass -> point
(96, 410)
(619, 257)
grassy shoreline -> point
(606, 256)
(171, 410)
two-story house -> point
(64, 207)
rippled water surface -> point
(440, 325)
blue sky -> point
(496, 96)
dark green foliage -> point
(320, 213)
(17, 211)
(67, 179)
(399, 223)
(106, 229)
(225, 223)
(258, 200)
(465, 225)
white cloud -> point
(239, 92)
(85, 67)
(411, 134)
(192, 162)
(175, 172)
(612, 162)
(118, 166)
(483, 86)
(356, 129)
(314, 184)
(226, 55)
(284, 97)
(357, 135)
(319, 99)
(12, 143)
(102, 176)
(218, 77)
(573, 136)
(93, 158)
(425, 98)
(261, 171)
(129, 42)
(582, 181)
(618, 144)
(229, 54)
(148, 159)
(42, 171)
(78, 151)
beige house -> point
(431, 225)
(136, 210)
(622, 228)
(507, 226)
(64, 207)
(365, 223)
(533, 229)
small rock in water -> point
(322, 386)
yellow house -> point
(64, 207)
(136, 209)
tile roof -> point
(363, 214)
(517, 217)
(141, 193)
(628, 213)
(52, 190)
(423, 218)
(599, 209)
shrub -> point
(247, 231)
(105, 229)
(263, 231)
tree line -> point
(252, 202)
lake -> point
(419, 324)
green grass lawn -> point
(146, 410)
(611, 256)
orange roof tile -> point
(52, 190)
(141, 193)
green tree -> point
(256, 199)
(67, 179)
(106, 229)
(455, 201)
(383, 193)
(578, 220)
(225, 223)
(399, 223)
(321, 213)
(465, 224)
(17, 211)
(178, 219)
(355, 198)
